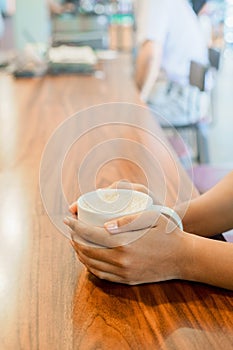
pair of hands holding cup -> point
(133, 249)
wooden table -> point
(47, 298)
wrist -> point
(207, 261)
(195, 249)
(188, 212)
(187, 257)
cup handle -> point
(170, 213)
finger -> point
(78, 239)
(133, 222)
(109, 256)
(103, 275)
(100, 254)
(98, 265)
(89, 234)
(101, 269)
(73, 208)
(124, 184)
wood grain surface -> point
(48, 301)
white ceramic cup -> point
(97, 207)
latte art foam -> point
(112, 202)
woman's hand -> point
(155, 256)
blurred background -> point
(41, 36)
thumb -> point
(133, 222)
(71, 222)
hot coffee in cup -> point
(97, 207)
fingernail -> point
(66, 220)
(111, 226)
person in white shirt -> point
(201, 8)
(173, 38)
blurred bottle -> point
(121, 27)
